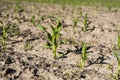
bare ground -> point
(26, 59)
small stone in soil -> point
(10, 71)
(35, 72)
(9, 60)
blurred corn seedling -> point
(85, 22)
(75, 22)
(118, 61)
(4, 35)
(118, 41)
(84, 56)
(33, 20)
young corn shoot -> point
(81, 13)
(75, 22)
(85, 22)
(4, 35)
(33, 20)
(118, 41)
(53, 38)
(118, 61)
(84, 56)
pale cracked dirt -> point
(25, 57)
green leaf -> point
(53, 29)
(54, 34)
(84, 51)
(117, 56)
(58, 26)
(47, 46)
(33, 19)
(42, 28)
(118, 59)
(53, 39)
(49, 36)
(1, 22)
(119, 41)
(60, 55)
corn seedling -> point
(109, 8)
(17, 18)
(97, 7)
(0, 13)
(53, 38)
(118, 41)
(118, 61)
(85, 22)
(18, 8)
(7, 15)
(81, 14)
(33, 20)
(84, 56)
(4, 35)
(75, 22)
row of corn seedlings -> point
(53, 40)
(85, 21)
(9, 29)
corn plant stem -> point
(85, 25)
(83, 55)
(83, 61)
(118, 69)
(118, 74)
(118, 61)
(54, 51)
(3, 41)
(82, 64)
(3, 38)
(54, 46)
(85, 28)
(118, 41)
